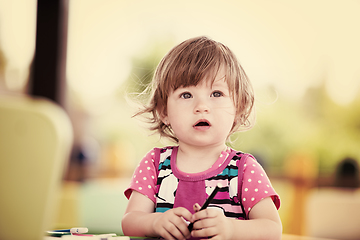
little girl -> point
(200, 96)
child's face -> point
(201, 115)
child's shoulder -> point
(241, 157)
(160, 154)
(156, 150)
(165, 149)
(239, 154)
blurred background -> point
(301, 56)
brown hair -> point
(187, 64)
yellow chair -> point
(35, 141)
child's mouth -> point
(202, 124)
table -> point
(284, 237)
(296, 237)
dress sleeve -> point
(256, 185)
(144, 177)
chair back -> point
(35, 141)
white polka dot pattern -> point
(144, 180)
(256, 185)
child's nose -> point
(201, 106)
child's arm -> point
(264, 223)
(140, 220)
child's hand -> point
(211, 223)
(171, 224)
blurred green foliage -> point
(2, 65)
(143, 67)
(313, 125)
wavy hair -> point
(187, 64)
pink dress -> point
(243, 183)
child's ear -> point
(165, 121)
(164, 118)
(162, 114)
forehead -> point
(218, 80)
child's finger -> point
(174, 231)
(183, 212)
(206, 213)
(181, 222)
(196, 207)
(204, 233)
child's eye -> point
(186, 95)
(217, 94)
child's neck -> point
(194, 159)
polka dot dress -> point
(145, 177)
(255, 185)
